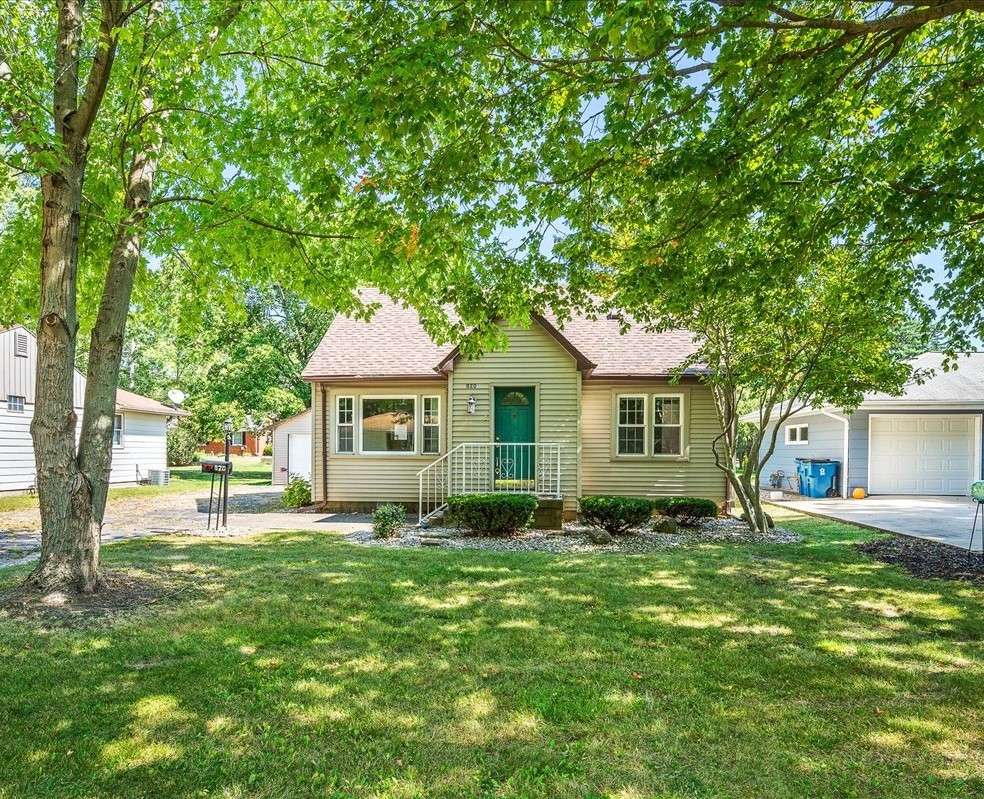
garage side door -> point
(921, 454)
(299, 454)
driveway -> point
(944, 519)
(252, 509)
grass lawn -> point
(245, 471)
(314, 668)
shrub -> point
(268, 450)
(181, 445)
(615, 515)
(388, 520)
(298, 492)
(493, 514)
(688, 511)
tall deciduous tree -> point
(184, 128)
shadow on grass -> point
(316, 668)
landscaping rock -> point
(666, 526)
(600, 537)
(768, 519)
(927, 559)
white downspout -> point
(847, 441)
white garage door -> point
(922, 454)
(299, 454)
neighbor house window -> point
(20, 345)
(15, 404)
(238, 439)
(345, 424)
(432, 425)
(118, 430)
(667, 425)
(797, 434)
(388, 424)
(631, 426)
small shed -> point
(292, 450)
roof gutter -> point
(847, 436)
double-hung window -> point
(15, 404)
(631, 425)
(431, 426)
(388, 424)
(667, 424)
(118, 430)
(345, 424)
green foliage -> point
(268, 450)
(617, 515)
(688, 511)
(388, 520)
(492, 514)
(182, 444)
(297, 494)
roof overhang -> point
(404, 378)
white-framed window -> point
(345, 424)
(118, 430)
(630, 424)
(797, 434)
(20, 345)
(15, 404)
(431, 426)
(238, 439)
(388, 425)
(667, 424)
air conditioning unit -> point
(159, 477)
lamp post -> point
(227, 425)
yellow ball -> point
(859, 493)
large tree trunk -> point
(70, 540)
(70, 544)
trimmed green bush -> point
(388, 520)
(181, 445)
(688, 511)
(615, 515)
(493, 514)
(268, 450)
(297, 494)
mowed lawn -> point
(245, 472)
(314, 668)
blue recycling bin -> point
(818, 477)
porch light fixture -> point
(472, 403)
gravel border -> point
(574, 538)
(927, 559)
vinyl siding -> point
(694, 474)
(17, 374)
(299, 425)
(356, 478)
(826, 441)
(534, 359)
(144, 446)
(16, 448)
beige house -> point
(559, 413)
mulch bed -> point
(927, 559)
(124, 594)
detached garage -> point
(292, 448)
(926, 442)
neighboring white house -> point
(139, 434)
(292, 448)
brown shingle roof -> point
(394, 345)
(128, 401)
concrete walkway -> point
(944, 519)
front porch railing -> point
(492, 468)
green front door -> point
(515, 424)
